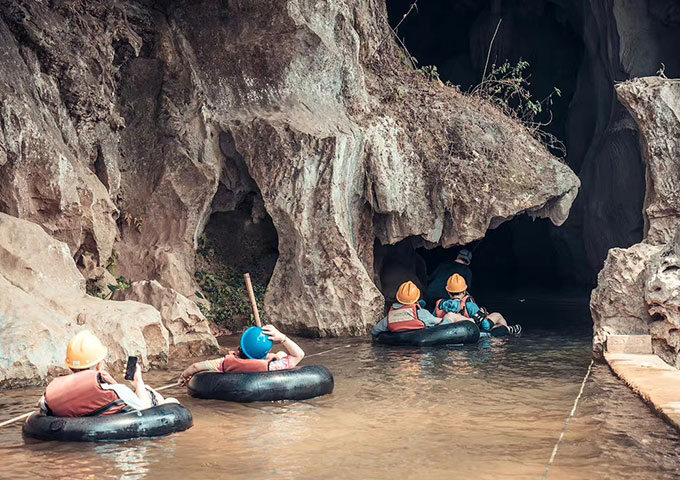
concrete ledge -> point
(653, 379)
(638, 344)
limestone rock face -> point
(43, 164)
(618, 303)
(662, 297)
(189, 331)
(43, 303)
(169, 113)
(639, 288)
(655, 105)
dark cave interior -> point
(455, 37)
(522, 257)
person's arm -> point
(205, 366)
(295, 353)
(140, 389)
(380, 327)
(131, 398)
(427, 318)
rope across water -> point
(566, 423)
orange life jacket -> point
(404, 318)
(81, 395)
(233, 363)
(463, 310)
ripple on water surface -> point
(487, 411)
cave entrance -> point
(238, 237)
(522, 259)
(516, 270)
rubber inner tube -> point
(153, 422)
(295, 384)
(451, 333)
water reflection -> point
(132, 459)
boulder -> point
(639, 287)
(189, 331)
(43, 304)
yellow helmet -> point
(408, 293)
(456, 284)
(84, 351)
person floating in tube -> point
(407, 313)
(461, 302)
(253, 355)
(90, 390)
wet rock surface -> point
(639, 288)
(140, 116)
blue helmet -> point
(255, 344)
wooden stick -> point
(12, 420)
(253, 303)
(165, 387)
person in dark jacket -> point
(436, 288)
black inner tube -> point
(152, 422)
(449, 334)
(295, 384)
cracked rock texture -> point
(125, 125)
(638, 290)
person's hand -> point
(274, 335)
(280, 355)
(137, 379)
(186, 375)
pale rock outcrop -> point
(639, 288)
(189, 331)
(617, 304)
(662, 297)
(183, 108)
(655, 105)
(43, 303)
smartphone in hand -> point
(131, 367)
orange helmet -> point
(456, 284)
(84, 351)
(408, 293)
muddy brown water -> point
(487, 411)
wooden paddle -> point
(253, 303)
